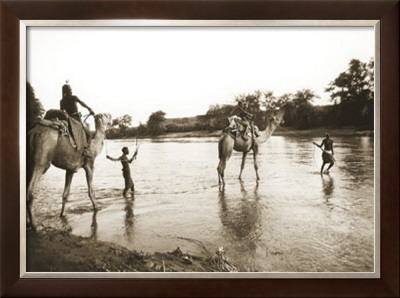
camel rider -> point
(69, 102)
(240, 117)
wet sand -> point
(52, 250)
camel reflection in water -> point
(241, 221)
(93, 226)
(128, 221)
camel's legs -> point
(36, 174)
(221, 169)
(67, 187)
(242, 165)
(255, 153)
(89, 179)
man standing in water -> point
(327, 152)
(126, 170)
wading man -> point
(126, 170)
(327, 152)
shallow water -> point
(293, 220)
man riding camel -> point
(243, 121)
(69, 102)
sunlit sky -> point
(182, 71)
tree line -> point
(351, 95)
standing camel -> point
(48, 146)
(228, 142)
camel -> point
(228, 142)
(48, 146)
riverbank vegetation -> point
(351, 96)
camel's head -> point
(102, 121)
(275, 118)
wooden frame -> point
(12, 12)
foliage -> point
(299, 112)
(220, 110)
(122, 122)
(34, 108)
(352, 92)
(251, 102)
(155, 124)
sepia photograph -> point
(195, 149)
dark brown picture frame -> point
(12, 11)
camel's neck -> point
(97, 142)
(267, 133)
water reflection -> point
(241, 219)
(129, 218)
(283, 224)
(93, 226)
(358, 159)
(328, 187)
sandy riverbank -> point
(51, 250)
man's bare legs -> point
(327, 170)
(330, 166)
(322, 167)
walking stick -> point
(330, 154)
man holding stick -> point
(327, 152)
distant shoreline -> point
(287, 131)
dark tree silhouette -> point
(353, 93)
(34, 108)
(155, 125)
(122, 122)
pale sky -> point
(182, 71)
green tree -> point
(155, 124)
(34, 108)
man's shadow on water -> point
(328, 188)
(241, 218)
(129, 217)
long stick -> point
(325, 151)
(105, 144)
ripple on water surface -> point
(293, 220)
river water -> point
(293, 220)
